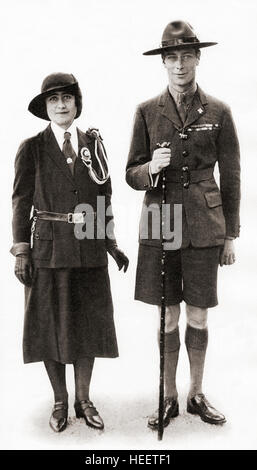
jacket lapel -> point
(197, 109)
(168, 109)
(52, 149)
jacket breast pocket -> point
(42, 240)
(213, 199)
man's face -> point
(61, 108)
(181, 66)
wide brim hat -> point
(55, 82)
(178, 35)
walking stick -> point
(163, 309)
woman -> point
(68, 304)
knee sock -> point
(196, 340)
(83, 371)
(172, 345)
(56, 374)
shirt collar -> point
(59, 131)
(59, 135)
(185, 97)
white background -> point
(101, 43)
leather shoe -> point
(59, 416)
(199, 405)
(171, 410)
(85, 409)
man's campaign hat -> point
(178, 35)
(56, 82)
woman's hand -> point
(120, 258)
(24, 269)
(227, 255)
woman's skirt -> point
(69, 315)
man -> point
(65, 268)
(184, 132)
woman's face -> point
(61, 108)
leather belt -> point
(187, 177)
(70, 218)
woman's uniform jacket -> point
(43, 181)
(207, 137)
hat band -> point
(177, 41)
(58, 86)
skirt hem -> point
(68, 361)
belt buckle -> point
(76, 218)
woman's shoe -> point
(59, 416)
(85, 409)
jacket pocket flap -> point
(44, 230)
(213, 198)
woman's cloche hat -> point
(55, 82)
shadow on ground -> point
(126, 427)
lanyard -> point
(87, 159)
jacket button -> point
(75, 191)
(185, 153)
(37, 236)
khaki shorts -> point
(191, 275)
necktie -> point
(181, 107)
(68, 151)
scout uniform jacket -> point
(43, 181)
(208, 136)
